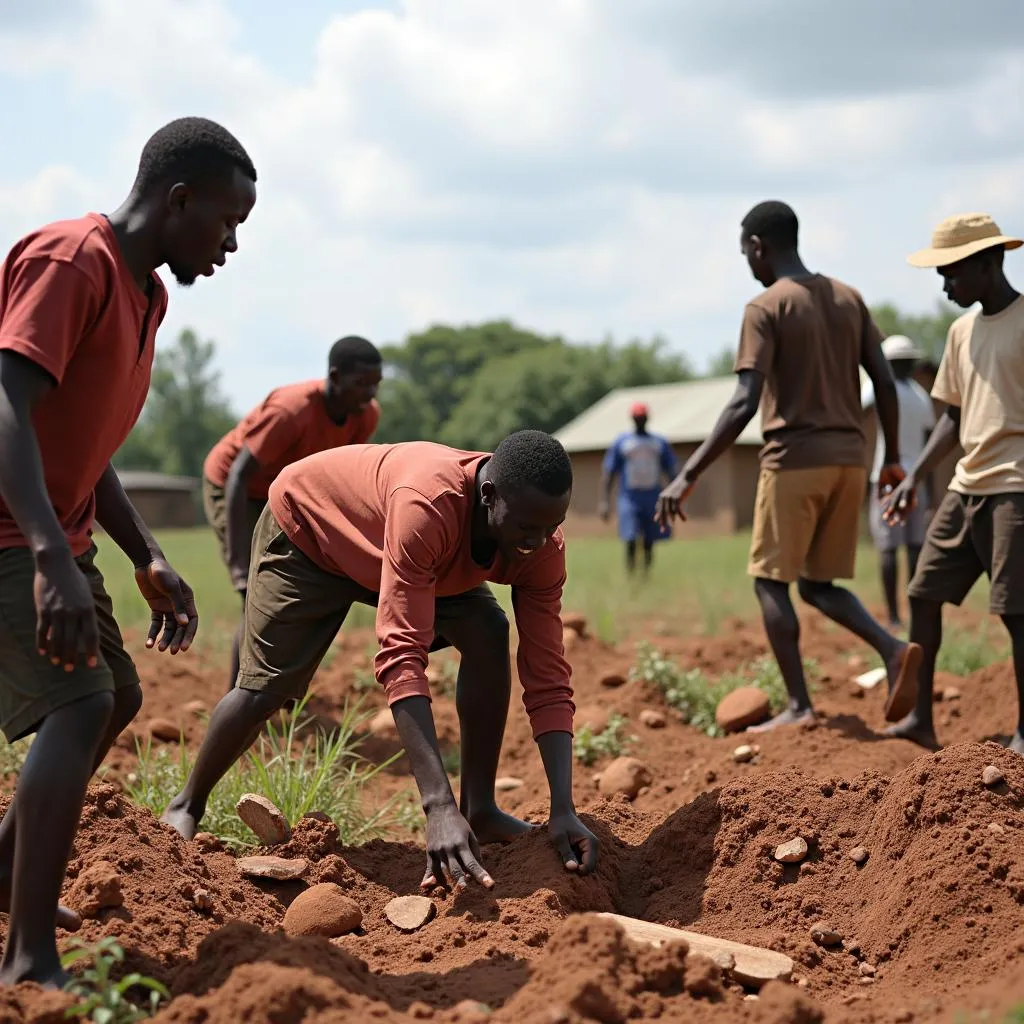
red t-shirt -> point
(289, 424)
(397, 519)
(69, 303)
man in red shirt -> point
(292, 422)
(80, 303)
(417, 529)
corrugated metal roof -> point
(683, 412)
(143, 480)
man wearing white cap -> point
(979, 526)
(917, 418)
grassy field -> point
(696, 585)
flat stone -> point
(791, 852)
(744, 753)
(745, 706)
(506, 783)
(322, 909)
(825, 935)
(280, 869)
(992, 776)
(653, 719)
(163, 729)
(410, 913)
(269, 824)
(626, 775)
(859, 854)
(613, 680)
(867, 970)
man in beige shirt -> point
(979, 527)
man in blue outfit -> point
(638, 458)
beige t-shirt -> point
(982, 372)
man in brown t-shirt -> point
(801, 346)
(418, 530)
(80, 303)
(290, 423)
(979, 525)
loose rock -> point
(280, 869)
(410, 913)
(825, 935)
(791, 852)
(992, 776)
(269, 824)
(743, 754)
(97, 888)
(950, 693)
(744, 706)
(653, 719)
(322, 910)
(625, 775)
(859, 854)
(867, 970)
(613, 680)
(202, 900)
(506, 783)
(703, 977)
(163, 729)
(576, 623)
(996, 829)
(382, 725)
(195, 707)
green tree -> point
(185, 413)
(929, 330)
(721, 365)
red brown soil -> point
(936, 909)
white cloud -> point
(579, 166)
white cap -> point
(899, 346)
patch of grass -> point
(102, 999)
(695, 695)
(590, 747)
(299, 768)
(12, 756)
(452, 760)
(963, 652)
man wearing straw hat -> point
(917, 418)
(979, 526)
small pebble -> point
(825, 935)
(792, 852)
(996, 829)
(867, 970)
(507, 783)
(653, 719)
(202, 900)
(743, 754)
(859, 854)
(992, 776)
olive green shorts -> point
(215, 506)
(30, 686)
(294, 609)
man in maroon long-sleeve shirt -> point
(418, 530)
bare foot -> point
(495, 826)
(1016, 744)
(915, 731)
(901, 671)
(68, 919)
(787, 717)
(181, 819)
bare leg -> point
(890, 579)
(234, 725)
(1015, 627)
(925, 630)
(783, 630)
(127, 702)
(48, 802)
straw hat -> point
(899, 346)
(961, 236)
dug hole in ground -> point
(924, 923)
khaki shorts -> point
(971, 535)
(294, 609)
(806, 523)
(30, 686)
(215, 506)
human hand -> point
(604, 511)
(239, 576)
(890, 477)
(899, 501)
(173, 606)
(575, 843)
(671, 500)
(65, 611)
(452, 850)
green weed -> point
(590, 747)
(964, 652)
(100, 998)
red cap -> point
(639, 409)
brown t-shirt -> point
(397, 520)
(69, 303)
(289, 424)
(808, 337)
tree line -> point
(464, 386)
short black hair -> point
(774, 222)
(531, 458)
(190, 149)
(350, 351)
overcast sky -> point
(580, 166)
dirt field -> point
(935, 910)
